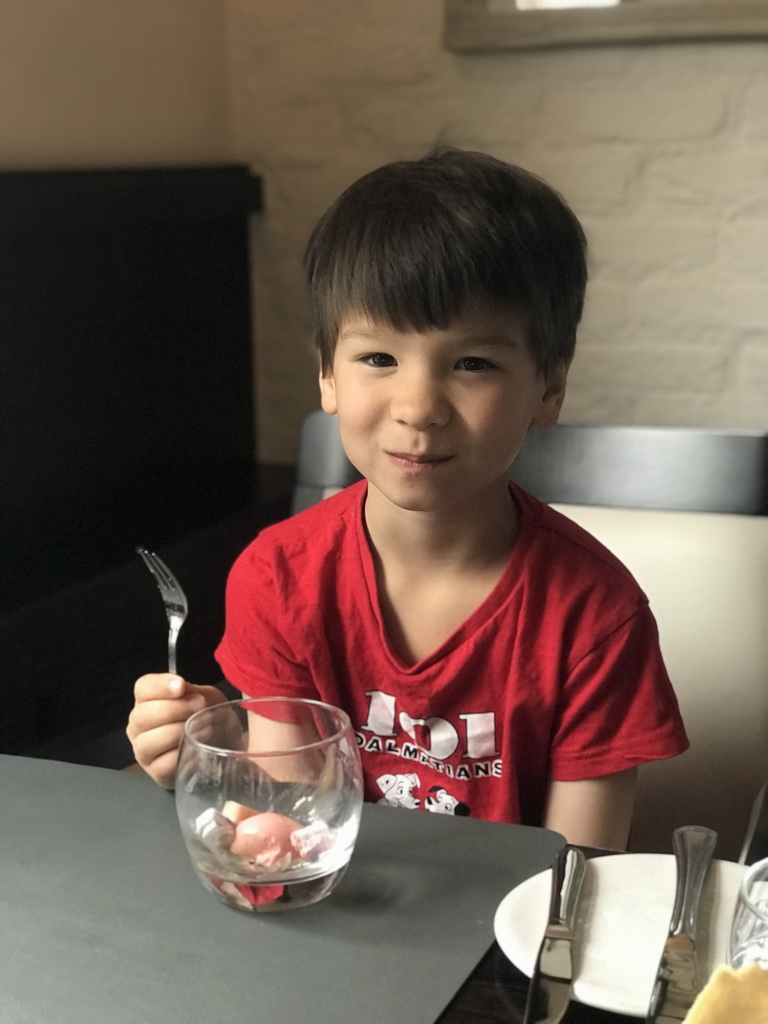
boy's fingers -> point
(155, 744)
(152, 714)
(163, 768)
(211, 694)
(156, 724)
(165, 686)
(158, 686)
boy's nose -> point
(419, 402)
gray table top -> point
(104, 921)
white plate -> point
(622, 922)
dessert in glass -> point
(269, 795)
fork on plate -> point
(173, 596)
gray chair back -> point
(672, 468)
(323, 467)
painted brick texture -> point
(661, 150)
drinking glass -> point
(749, 931)
(269, 795)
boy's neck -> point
(471, 536)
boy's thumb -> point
(176, 686)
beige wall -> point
(89, 83)
(662, 151)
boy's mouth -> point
(417, 463)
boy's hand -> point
(155, 725)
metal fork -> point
(173, 596)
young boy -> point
(494, 658)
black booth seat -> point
(126, 417)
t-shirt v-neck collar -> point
(502, 592)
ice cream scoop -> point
(265, 839)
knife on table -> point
(550, 990)
(677, 982)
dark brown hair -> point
(410, 243)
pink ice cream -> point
(265, 839)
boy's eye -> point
(474, 364)
(379, 359)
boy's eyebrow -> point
(358, 332)
(491, 340)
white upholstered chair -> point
(706, 576)
(687, 512)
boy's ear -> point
(327, 393)
(548, 411)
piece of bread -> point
(732, 996)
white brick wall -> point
(661, 150)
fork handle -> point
(174, 625)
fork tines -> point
(170, 588)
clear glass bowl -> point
(269, 794)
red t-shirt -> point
(557, 675)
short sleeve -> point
(260, 651)
(617, 708)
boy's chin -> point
(409, 499)
(431, 501)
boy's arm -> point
(593, 812)
(266, 734)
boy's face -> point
(435, 417)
